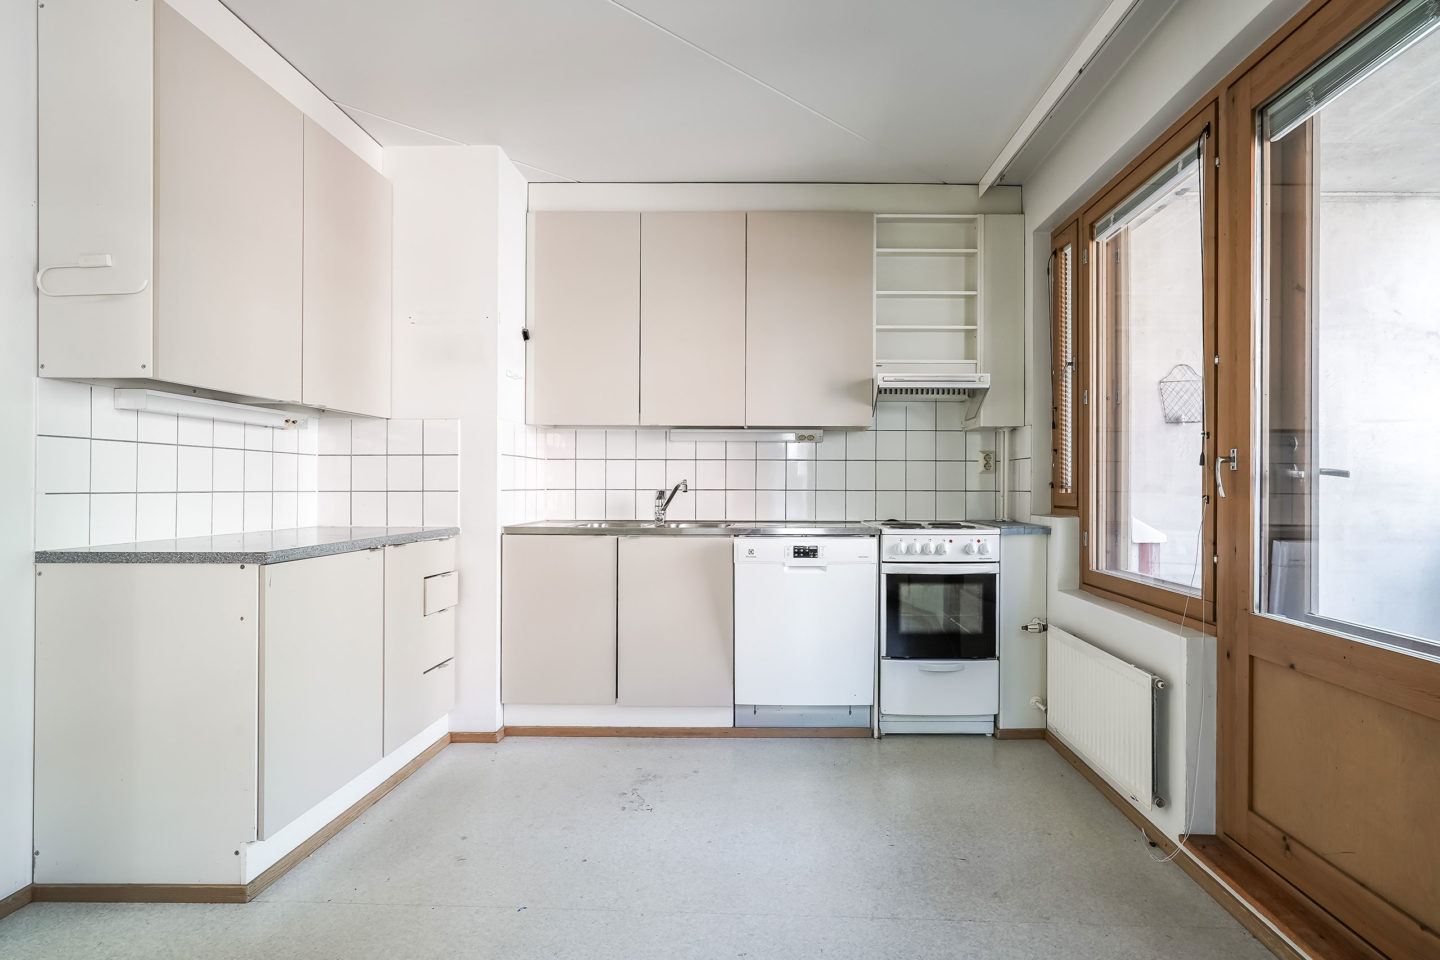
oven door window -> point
(944, 617)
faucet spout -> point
(662, 502)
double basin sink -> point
(694, 527)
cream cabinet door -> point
(228, 182)
(583, 357)
(676, 622)
(321, 679)
(419, 638)
(145, 718)
(810, 316)
(557, 620)
(692, 319)
(347, 279)
(1002, 319)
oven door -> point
(938, 612)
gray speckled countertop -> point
(270, 546)
(1008, 527)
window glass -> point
(1349, 532)
(1148, 408)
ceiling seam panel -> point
(408, 126)
(748, 76)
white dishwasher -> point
(805, 631)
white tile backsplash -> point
(112, 476)
(900, 470)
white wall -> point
(459, 294)
(1190, 51)
(17, 423)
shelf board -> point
(933, 294)
(966, 362)
(926, 326)
(927, 216)
(925, 251)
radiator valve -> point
(1038, 704)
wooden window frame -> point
(1064, 501)
(1174, 605)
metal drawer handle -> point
(939, 668)
(439, 666)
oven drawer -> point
(940, 688)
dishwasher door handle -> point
(805, 567)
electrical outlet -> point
(987, 461)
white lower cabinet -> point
(146, 712)
(676, 622)
(1022, 654)
(183, 710)
(629, 623)
(421, 592)
(931, 688)
(321, 679)
(557, 620)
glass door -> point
(930, 615)
(1330, 524)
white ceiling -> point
(689, 90)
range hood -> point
(928, 385)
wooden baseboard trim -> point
(286, 863)
(139, 893)
(1299, 919)
(1288, 925)
(713, 733)
(466, 736)
(1021, 733)
(16, 900)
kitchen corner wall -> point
(1018, 474)
(114, 476)
(917, 463)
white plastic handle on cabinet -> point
(90, 262)
(941, 667)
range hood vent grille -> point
(968, 387)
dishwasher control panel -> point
(814, 551)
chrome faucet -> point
(662, 502)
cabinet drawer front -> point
(938, 688)
(442, 591)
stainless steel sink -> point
(649, 525)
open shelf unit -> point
(928, 290)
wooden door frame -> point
(1389, 676)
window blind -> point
(1396, 31)
(1065, 370)
(1181, 167)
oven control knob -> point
(970, 547)
(926, 548)
(984, 548)
(941, 549)
(902, 548)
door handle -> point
(1220, 484)
(1332, 472)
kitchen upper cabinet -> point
(1002, 319)
(676, 622)
(170, 206)
(347, 279)
(809, 350)
(583, 361)
(321, 679)
(421, 594)
(692, 319)
(557, 627)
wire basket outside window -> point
(1182, 395)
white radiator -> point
(1105, 710)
